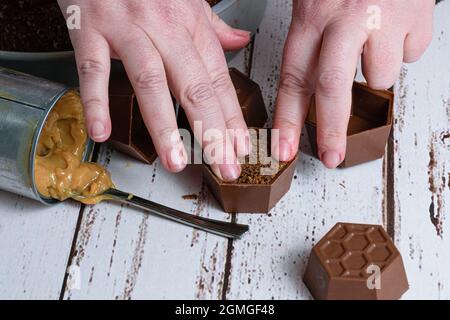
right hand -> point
(163, 44)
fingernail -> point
(98, 130)
(242, 33)
(177, 160)
(281, 150)
(285, 151)
(230, 172)
(331, 159)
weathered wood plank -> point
(422, 165)
(122, 253)
(269, 262)
(35, 243)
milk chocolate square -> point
(369, 126)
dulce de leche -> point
(60, 172)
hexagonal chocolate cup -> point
(369, 125)
(344, 263)
(250, 198)
(250, 99)
(129, 133)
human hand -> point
(163, 44)
(325, 40)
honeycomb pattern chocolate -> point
(342, 262)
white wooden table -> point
(113, 252)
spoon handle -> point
(221, 228)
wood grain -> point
(34, 246)
(122, 253)
(269, 262)
(422, 163)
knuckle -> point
(309, 15)
(235, 121)
(93, 104)
(170, 13)
(306, 10)
(330, 136)
(133, 8)
(165, 133)
(150, 80)
(287, 122)
(221, 82)
(331, 83)
(198, 93)
(92, 67)
(294, 81)
(354, 7)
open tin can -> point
(25, 103)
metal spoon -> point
(220, 228)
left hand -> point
(325, 40)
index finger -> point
(295, 89)
(189, 79)
(93, 64)
(339, 54)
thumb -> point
(230, 38)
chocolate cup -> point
(129, 133)
(250, 198)
(250, 99)
(369, 127)
(338, 268)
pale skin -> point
(177, 46)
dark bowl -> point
(61, 67)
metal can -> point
(25, 103)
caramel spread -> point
(60, 172)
